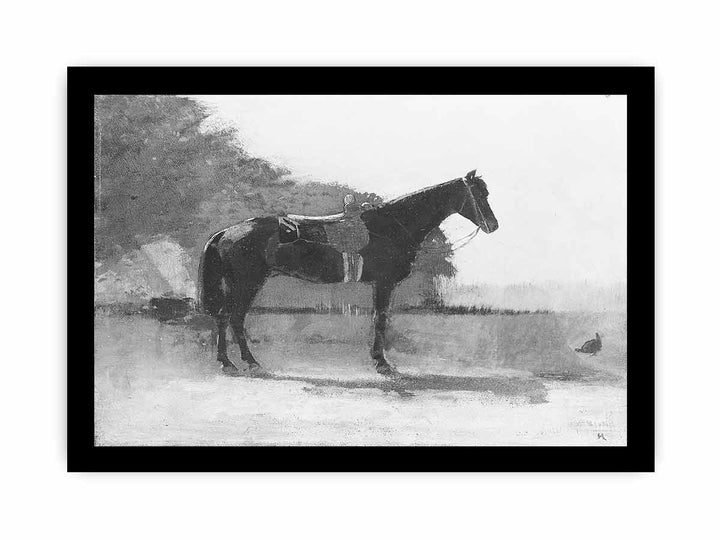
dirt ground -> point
(467, 380)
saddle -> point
(332, 218)
(345, 230)
(344, 233)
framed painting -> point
(361, 269)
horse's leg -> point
(381, 299)
(243, 300)
(227, 366)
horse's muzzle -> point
(488, 222)
(489, 226)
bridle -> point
(462, 241)
(476, 209)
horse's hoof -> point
(387, 370)
(230, 370)
(256, 370)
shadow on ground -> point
(406, 384)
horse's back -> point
(254, 230)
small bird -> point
(593, 346)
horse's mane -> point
(413, 195)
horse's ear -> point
(470, 175)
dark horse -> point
(236, 261)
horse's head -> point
(474, 204)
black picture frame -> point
(635, 82)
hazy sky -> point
(555, 167)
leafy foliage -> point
(159, 170)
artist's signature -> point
(601, 436)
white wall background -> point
(40, 500)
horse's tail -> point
(210, 273)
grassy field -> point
(468, 380)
